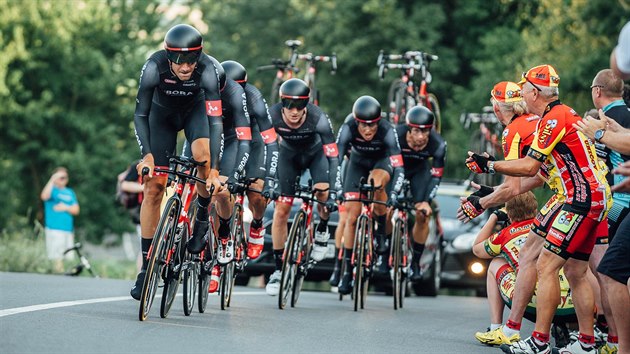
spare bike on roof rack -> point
(288, 68)
(412, 87)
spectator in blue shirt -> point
(60, 207)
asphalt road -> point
(58, 314)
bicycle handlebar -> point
(309, 57)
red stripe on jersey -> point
(160, 174)
(269, 136)
(396, 161)
(351, 195)
(213, 108)
(285, 200)
(330, 150)
(437, 171)
(243, 133)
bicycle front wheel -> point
(435, 108)
(396, 101)
(274, 96)
(290, 259)
(173, 269)
(359, 261)
(157, 257)
(397, 264)
(304, 252)
(191, 274)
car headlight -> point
(477, 267)
(464, 241)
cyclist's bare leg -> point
(421, 226)
(602, 301)
(279, 225)
(526, 276)
(201, 152)
(494, 296)
(548, 294)
(150, 210)
(581, 292)
(353, 209)
(257, 203)
(381, 178)
(619, 299)
(224, 201)
(322, 197)
(341, 225)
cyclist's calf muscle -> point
(150, 210)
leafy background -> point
(69, 71)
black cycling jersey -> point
(162, 94)
(383, 145)
(315, 130)
(236, 124)
(417, 161)
(261, 122)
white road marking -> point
(54, 305)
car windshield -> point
(448, 205)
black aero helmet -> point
(235, 71)
(294, 93)
(183, 44)
(420, 117)
(366, 109)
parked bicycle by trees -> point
(405, 92)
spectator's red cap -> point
(506, 91)
(541, 75)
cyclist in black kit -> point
(375, 154)
(307, 142)
(263, 158)
(419, 143)
(178, 89)
(235, 149)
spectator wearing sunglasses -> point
(179, 89)
(306, 142)
(60, 208)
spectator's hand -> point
(481, 190)
(424, 208)
(588, 126)
(478, 163)
(624, 170)
(147, 162)
(471, 208)
(61, 207)
(213, 181)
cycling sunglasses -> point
(290, 103)
(179, 57)
(524, 77)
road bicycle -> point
(405, 92)
(485, 139)
(299, 245)
(401, 250)
(363, 252)
(288, 68)
(167, 256)
(237, 237)
(83, 262)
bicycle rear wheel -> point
(291, 259)
(306, 247)
(435, 108)
(359, 254)
(397, 264)
(157, 258)
(173, 270)
(396, 101)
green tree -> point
(68, 76)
